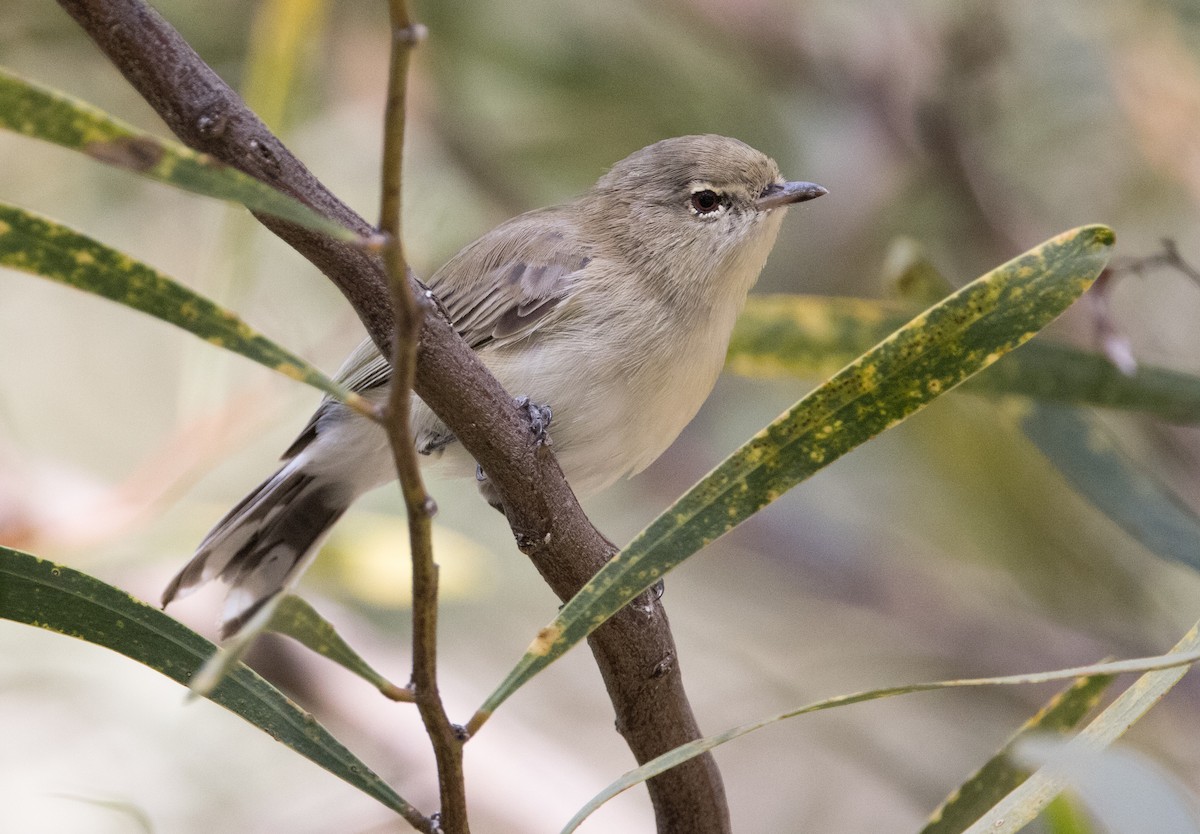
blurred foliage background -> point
(946, 548)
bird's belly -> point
(613, 417)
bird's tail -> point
(264, 543)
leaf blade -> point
(802, 335)
(1002, 773)
(1026, 801)
(297, 619)
(1091, 460)
(40, 246)
(57, 598)
(41, 113)
(814, 336)
(1180, 657)
(931, 354)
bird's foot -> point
(539, 419)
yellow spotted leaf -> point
(1062, 714)
(35, 111)
(40, 246)
(934, 352)
(59, 599)
(812, 337)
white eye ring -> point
(706, 203)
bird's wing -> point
(496, 291)
(513, 280)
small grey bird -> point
(613, 310)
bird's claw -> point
(539, 419)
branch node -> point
(266, 156)
(663, 667)
(525, 541)
(212, 125)
(375, 242)
(411, 35)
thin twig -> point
(447, 740)
(1168, 258)
(1114, 342)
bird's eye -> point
(705, 201)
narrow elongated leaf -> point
(1075, 440)
(59, 599)
(32, 110)
(1002, 773)
(814, 336)
(1024, 803)
(802, 335)
(1077, 443)
(809, 336)
(928, 356)
(40, 246)
(300, 621)
(1175, 663)
(1058, 373)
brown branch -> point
(635, 650)
(447, 740)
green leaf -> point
(1023, 804)
(62, 600)
(1076, 441)
(1057, 373)
(297, 619)
(1091, 460)
(1177, 662)
(32, 110)
(809, 336)
(928, 356)
(813, 336)
(1001, 774)
(300, 621)
(40, 246)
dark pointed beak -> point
(785, 193)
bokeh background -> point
(948, 547)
